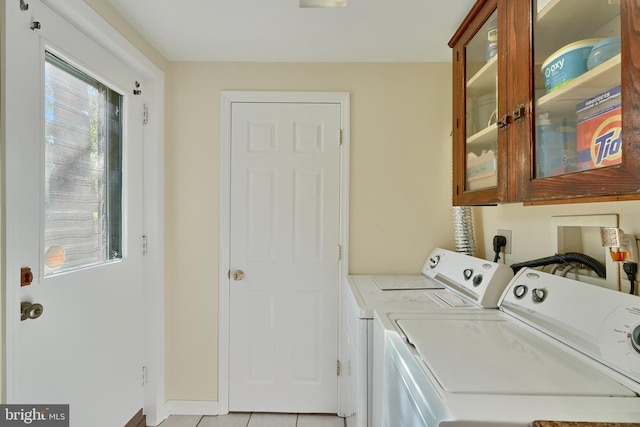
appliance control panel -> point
(475, 278)
(597, 321)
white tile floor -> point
(254, 420)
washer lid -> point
(399, 282)
(496, 356)
(368, 296)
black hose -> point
(592, 263)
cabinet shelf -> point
(600, 79)
(486, 136)
(484, 80)
(587, 16)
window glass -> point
(577, 77)
(83, 169)
(482, 107)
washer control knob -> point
(477, 280)
(539, 294)
(520, 291)
(635, 339)
(433, 261)
(467, 273)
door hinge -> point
(338, 368)
(339, 252)
(145, 114)
(144, 245)
(340, 137)
(144, 375)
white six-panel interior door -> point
(284, 255)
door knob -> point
(238, 275)
(30, 311)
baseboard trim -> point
(192, 407)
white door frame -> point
(91, 23)
(227, 99)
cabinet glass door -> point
(577, 78)
(482, 107)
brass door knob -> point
(238, 275)
(30, 311)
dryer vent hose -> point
(592, 263)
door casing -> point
(227, 99)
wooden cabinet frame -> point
(516, 168)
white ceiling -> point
(280, 31)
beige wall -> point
(400, 188)
(531, 225)
(400, 191)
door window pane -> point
(83, 169)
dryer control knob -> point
(477, 280)
(539, 294)
(520, 291)
(433, 262)
(467, 273)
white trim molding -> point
(227, 98)
(192, 407)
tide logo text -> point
(606, 145)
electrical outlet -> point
(631, 245)
(507, 235)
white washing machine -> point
(557, 349)
(449, 281)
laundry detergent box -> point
(599, 131)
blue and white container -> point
(603, 51)
(567, 63)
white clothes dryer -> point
(449, 281)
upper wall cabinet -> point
(546, 102)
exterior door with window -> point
(74, 218)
